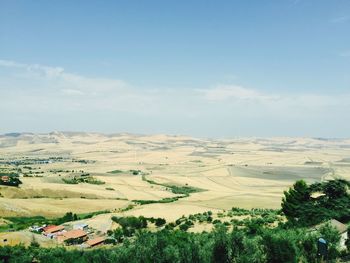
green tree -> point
(236, 241)
(294, 198)
(160, 222)
(334, 202)
(332, 236)
(336, 188)
(34, 243)
(221, 246)
(253, 252)
(280, 247)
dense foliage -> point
(310, 205)
(82, 179)
(221, 245)
(130, 224)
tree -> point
(253, 252)
(160, 221)
(308, 247)
(34, 243)
(331, 235)
(293, 199)
(236, 241)
(336, 188)
(118, 235)
(221, 251)
(333, 202)
(280, 247)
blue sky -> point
(202, 68)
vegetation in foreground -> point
(255, 244)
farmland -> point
(157, 176)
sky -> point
(190, 67)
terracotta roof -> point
(5, 178)
(76, 233)
(48, 227)
(95, 241)
(53, 229)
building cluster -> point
(78, 235)
(5, 178)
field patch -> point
(290, 173)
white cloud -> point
(48, 79)
(226, 92)
(57, 86)
(8, 63)
(76, 100)
(46, 71)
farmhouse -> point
(81, 226)
(37, 228)
(52, 229)
(340, 227)
(95, 242)
(5, 178)
(76, 236)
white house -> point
(342, 229)
(81, 226)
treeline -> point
(239, 245)
(84, 178)
(130, 225)
(175, 189)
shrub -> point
(160, 222)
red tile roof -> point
(48, 227)
(95, 241)
(5, 178)
(76, 233)
(53, 229)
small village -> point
(79, 235)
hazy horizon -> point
(220, 70)
(73, 133)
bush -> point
(160, 222)
(184, 227)
(331, 235)
(130, 224)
